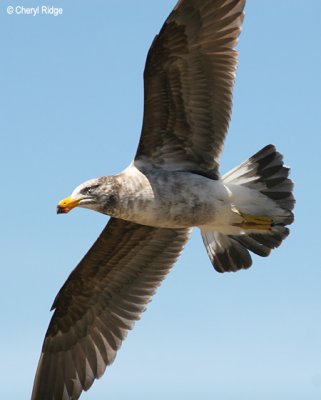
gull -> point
(172, 186)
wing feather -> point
(100, 301)
(188, 82)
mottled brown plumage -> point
(189, 77)
(171, 186)
(100, 302)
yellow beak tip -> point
(67, 204)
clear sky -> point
(71, 98)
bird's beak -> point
(66, 205)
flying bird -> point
(172, 185)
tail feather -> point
(262, 244)
(265, 173)
(226, 253)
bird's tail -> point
(264, 201)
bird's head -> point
(98, 194)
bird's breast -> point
(170, 199)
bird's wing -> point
(188, 82)
(100, 302)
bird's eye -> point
(88, 190)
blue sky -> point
(71, 103)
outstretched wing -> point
(100, 302)
(188, 78)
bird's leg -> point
(254, 222)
